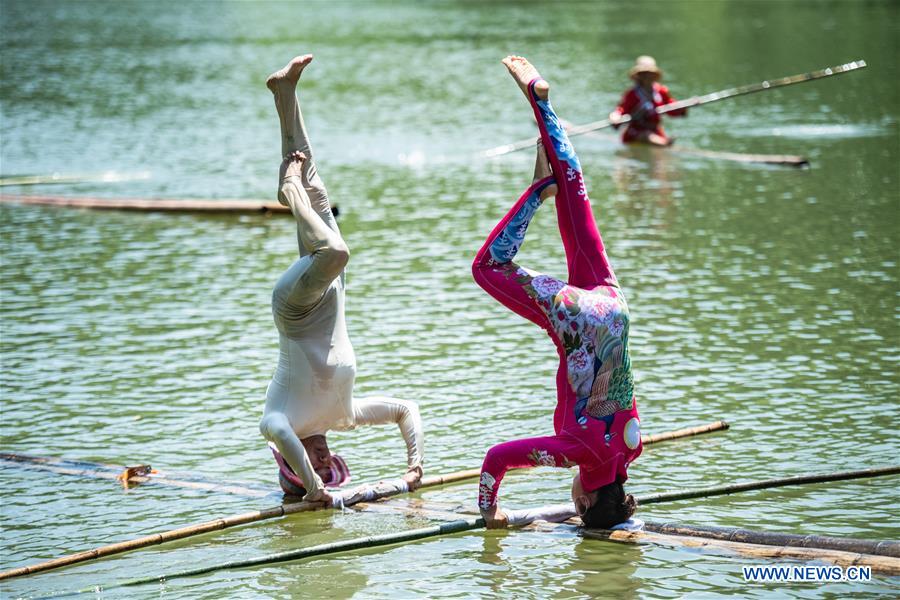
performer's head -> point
(603, 507)
(330, 467)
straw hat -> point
(644, 64)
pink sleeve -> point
(668, 99)
(548, 451)
(627, 104)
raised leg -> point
(586, 257)
(494, 269)
(283, 85)
(301, 188)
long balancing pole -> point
(281, 511)
(696, 101)
(768, 483)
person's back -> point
(316, 364)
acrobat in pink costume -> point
(596, 417)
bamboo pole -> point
(154, 205)
(887, 549)
(215, 525)
(791, 160)
(697, 101)
(749, 536)
(768, 483)
(758, 544)
(132, 475)
(278, 511)
(683, 433)
(374, 541)
(143, 474)
(57, 178)
(887, 565)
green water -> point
(763, 295)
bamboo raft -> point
(880, 556)
(384, 490)
(362, 493)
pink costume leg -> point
(493, 268)
(586, 257)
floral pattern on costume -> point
(542, 458)
(485, 490)
(592, 326)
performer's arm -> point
(382, 409)
(548, 451)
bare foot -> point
(524, 73)
(292, 165)
(290, 74)
(542, 170)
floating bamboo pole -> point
(157, 205)
(791, 160)
(143, 474)
(130, 476)
(822, 542)
(355, 544)
(691, 102)
(215, 525)
(275, 512)
(887, 565)
(683, 433)
(758, 544)
(768, 483)
(57, 178)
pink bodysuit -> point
(596, 419)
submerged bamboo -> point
(697, 101)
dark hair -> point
(613, 506)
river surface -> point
(767, 296)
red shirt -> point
(642, 108)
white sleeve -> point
(376, 410)
(276, 428)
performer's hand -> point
(615, 117)
(321, 496)
(413, 478)
(494, 518)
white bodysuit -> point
(311, 391)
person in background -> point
(641, 102)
